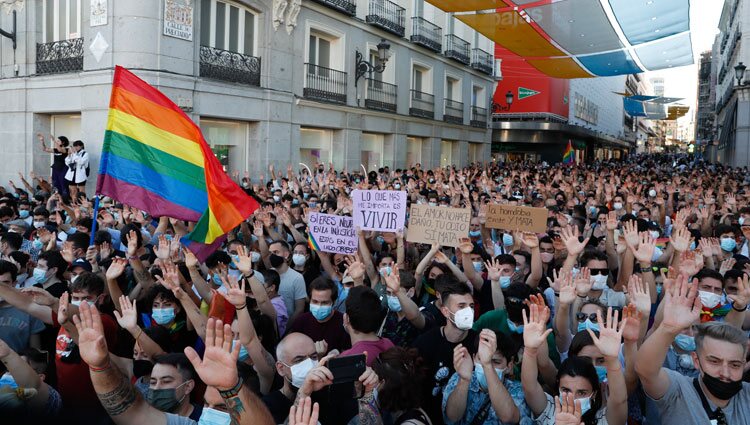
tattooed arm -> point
(368, 412)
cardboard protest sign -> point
(524, 219)
(381, 210)
(441, 225)
(332, 233)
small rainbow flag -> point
(569, 155)
(155, 158)
(311, 242)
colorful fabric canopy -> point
(584, 38)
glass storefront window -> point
(315, 146)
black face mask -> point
(276, 260)
(720, 389)
(142, 368)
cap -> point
(19, 223)
(82, 263)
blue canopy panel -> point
(655, 111)
(643, 98)
(648, 20)
(666, 53)
(609, 64)
(633, 108)
(666, 100)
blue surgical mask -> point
(504, 281)
(163, 316)
(692, 246)
(741, 220)
(380, 240)
(211, 416)
(475, 233)
(393, 303)
(601, 372)
(25, 214)
(235, 261)
(320, 312)
(477, 266)
(728, 244)
(507, 239)
(216, 278)
(39, 275)
(588, 324)
(243, 351)
(685, 342)
(585, 404)
(386, 271)
(37, 244)
(515, 328)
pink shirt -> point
(373, 348)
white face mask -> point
(652, 193)
(300, 371)
(464, 318)
(617, 205)
(255, 256)
(299, 260)
(214, 417)
(598, 282)
(709, 299)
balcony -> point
(426, 34)
(229, 66)
(478, 117)
(380, 96)
(481, 61)
(388, 16)
(324, 84)
(454, 112)
(457, 49)
(422, 105)
(347, 7)
(59, 56)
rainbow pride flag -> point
(155, 158)
(569, 155)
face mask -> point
(163, 316)
(216, 279)
(276, 198)
(741, 220)
(25, 214)
(300, 371)
(38, 224)
(397, 186)
(482, 378)
(37, 244)
(77, 303)
(386, 271)
(320, 312)
(515, 328)
(7, 380)
(654, 234)
(504, 281)
(235, 261)
(393, 303)
(709, 299)
(601, 372)
(692, 246)
(585, 404)
(214, 417)
(652, 193)
(475, 233)
(434, 204)
(276, 260)
(728, 244)
(299, 260)
(588, 324)
(547, 257)
(164, 399)
(720, 389)
(598, 282)
(593, 210)
(464, 318)
(686, 361)
(507, 239)
(142, 368)
(312, 204)
(39, 275)
(477, 265)
(685, 342)
(617, 206)
(657, 254)
(243, 351)
(255, 256)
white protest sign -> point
(332, 233)
(381, 210)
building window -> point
(228, 141)
(453, 89)
(372, 151)
(319, 52)
(315, 145)
(413, 151)
(227, 26)
(61, 20)
(477, 96)
(474, 153)
(446, 153)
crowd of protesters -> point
(630, 308)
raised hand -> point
(612, 220)
(608, 341)
(567, 288)
(567, 410)
(441, 258)
(244, 261)
(583, 282)
(132, 243)
(569, 237)
(493, 269)
(646, 247)
(393, 280)
(63, 310)
(356, 269)
(162, 248)
(128, 319)
(462, 362)
(304, 414)
(487, 346)
(639, 294)
(531, 240)
(631, 323)
(236, 292)
(92, 345)
(726, 265)
(465, 245)
(680, 239)
(630, 232)
(191, 261)
(682, 306)
(535, 326)
(369, 379)
(741, 299)
(218, 368)
(40, 296)
(691, 262)
(67, 252)
(116, 268)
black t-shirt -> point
(433, 317)
(332, 331)
(278, 404)
(56, 289)
(58, 160)
(484, 298)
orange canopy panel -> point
(677, 111)
(467, 5)
(560, 68)
(510, 30)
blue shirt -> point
(477, 397)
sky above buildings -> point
(683, 81)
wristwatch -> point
(645, 269)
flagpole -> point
(93, 221)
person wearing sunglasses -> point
(597, 263)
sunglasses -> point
(604, 272)
(581, 317)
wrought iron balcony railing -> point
(324, 84)
(422, 105)
(478, 117)
(388, 16)
(454, 112)
(380, 96)
(426, 34)
(59, 56)
(348, 7)
(481, 61)
(229, 66)
(457, 48)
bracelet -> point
(251, 275)
(582, 296)
(100, 369)
(737, 309)
(232, 392)
(557, 294)
(140, 332)
(241, 308)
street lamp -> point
(496, 107)
(739, 72)
(363, 67)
